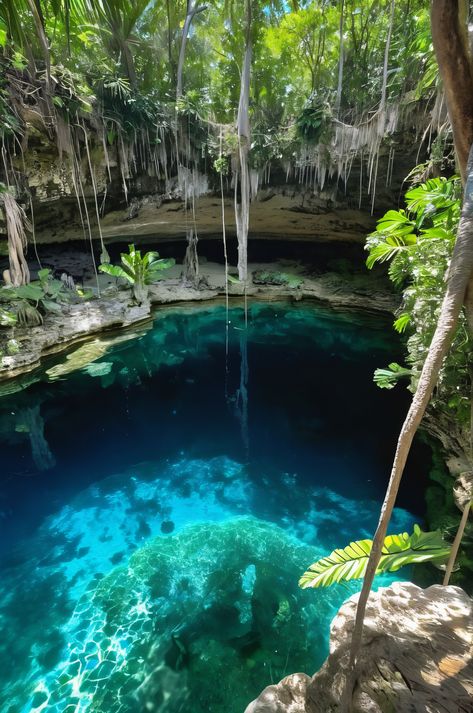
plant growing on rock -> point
(27, 304)
(418, 243)
(140, 271)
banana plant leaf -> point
(116, 271)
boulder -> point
(416, 657)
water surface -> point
(159, 503)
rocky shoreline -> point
(115, 310)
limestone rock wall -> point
(153, 205)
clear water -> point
(159, 503)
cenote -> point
(163, 490)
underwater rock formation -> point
(158, 632)
(417, 656)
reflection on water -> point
(161, 496)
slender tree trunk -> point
(457, 542)
(170, 60)
(192, 11)
(129, 65)
(459, 275)
(450, 38)
(384, 87)
(35, 9)
(340, 60)
(191, 259)
(242, 208)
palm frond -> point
(398, 550)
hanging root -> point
(191, 259)
(17, 225)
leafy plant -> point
(28, 303)
(417, 243)
(139, 271)
(7, 318)
(388, 378)
(311, 122)
(398, 551)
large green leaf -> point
(398, 550)
(385, 251)
(29, 292)
(388, 378)
(396, 222)
(115, 271)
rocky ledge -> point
(115, 309)
(417, 657)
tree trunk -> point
(456, 543)
(450, 38)
(170, 59)
(35, 9)
(191, 259)
(338, 100)
(242, 208)
(384, 87)
(192, 11)
(459, 275)
(129, 65)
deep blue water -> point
(159, 503)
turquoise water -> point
(159, 503)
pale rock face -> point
(287, 696)
(417, 657)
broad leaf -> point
(382, 253)
(115, 271)
(388, 378)
(402, 322)
(29, 292)
(51, 306)
(398, 550)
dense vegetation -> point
(201, 92)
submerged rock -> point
(191, 617)
(417, 656)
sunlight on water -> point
(171, 496)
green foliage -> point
(417, 243)
(398, 551)
(402, 322)
(221, 165)
(29, 303)
(272, 277)
(7, 318)
(311, 122)
(140, 271)
(119, 59)
(388, 378)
